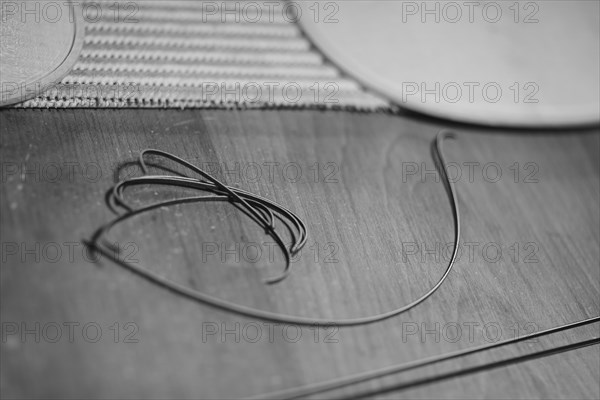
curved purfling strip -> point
(237, 194)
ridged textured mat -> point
(201, 54)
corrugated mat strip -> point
(176, 54)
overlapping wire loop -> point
(265, 213)
(261, 210)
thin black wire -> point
(260, 210)
(262, 204)
(216, 182)
(478, 368)
(236, 197)
(255, 207)
(350, 380)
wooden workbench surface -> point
(379, 224)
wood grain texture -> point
(364, 215)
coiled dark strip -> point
(260, 210)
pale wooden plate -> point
(39, 44)
(532, 64)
